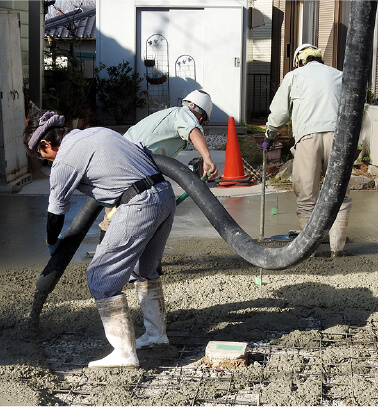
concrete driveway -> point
(23, 218)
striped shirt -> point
(99, 163)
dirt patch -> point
(311, 330)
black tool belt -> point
(140, 186)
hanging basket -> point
(149, 63)
(156, 81)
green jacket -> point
(310, 97)
(165, 132)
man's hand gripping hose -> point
(185, 194)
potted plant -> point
(159, 80)
(149, 63)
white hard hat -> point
(298, 51)
(201, 99)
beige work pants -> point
(310, 163)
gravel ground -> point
(311, 332)
(214, 141)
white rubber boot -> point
(151, 298)
(119, 331)
(338, 235)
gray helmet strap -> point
(194, 107)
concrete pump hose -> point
(66, 250)
(359, 40)
(355, 75)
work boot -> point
(338, 235)
(339, 253)
(151, 298)
(119, 331)
(337, 239)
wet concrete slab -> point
(23, 231)
(23, 219)
(23, 224)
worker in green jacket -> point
(309, 96)
(168, 131)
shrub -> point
(120, 92)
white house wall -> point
(223, 61)
(116, 31)
(223, 40)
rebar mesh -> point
(334, 369)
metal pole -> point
(262, 207)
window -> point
(310, 22)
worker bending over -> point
(168, 131)
(106, 166)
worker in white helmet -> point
(309, 96)
(167, 132)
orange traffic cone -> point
(233, 169)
